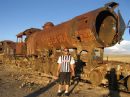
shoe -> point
(59, 94)
(66, 94)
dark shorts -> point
(64, 78)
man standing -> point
(65, 71)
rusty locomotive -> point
(7, 50)
(86, 36)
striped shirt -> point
(65, 61)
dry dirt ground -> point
(18, 82)
(119, 58)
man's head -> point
(66, 51)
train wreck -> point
(86, 36)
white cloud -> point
(122, 48)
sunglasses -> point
(66, 51)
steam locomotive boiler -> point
(90, 32)
(98, 28)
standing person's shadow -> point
(112, 83)
(79, 64)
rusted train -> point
(86, 36)
(7, 50)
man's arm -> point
(58, 70)
(72, 69)
(72, 62)
(59, 66)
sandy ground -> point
(19, 82)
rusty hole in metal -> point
(86, 21)
(1, 49)
(100, 19)
(79, 39)
(50, 53)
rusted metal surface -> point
(27, 32)
(98, 28)
(21, 43)
(20, 48)
(7, 47)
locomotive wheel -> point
(96, 77)
(128, 83)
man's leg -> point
(59, 93)
(67, 83)
(66, 88)
(59, 88)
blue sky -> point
(19, 15)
